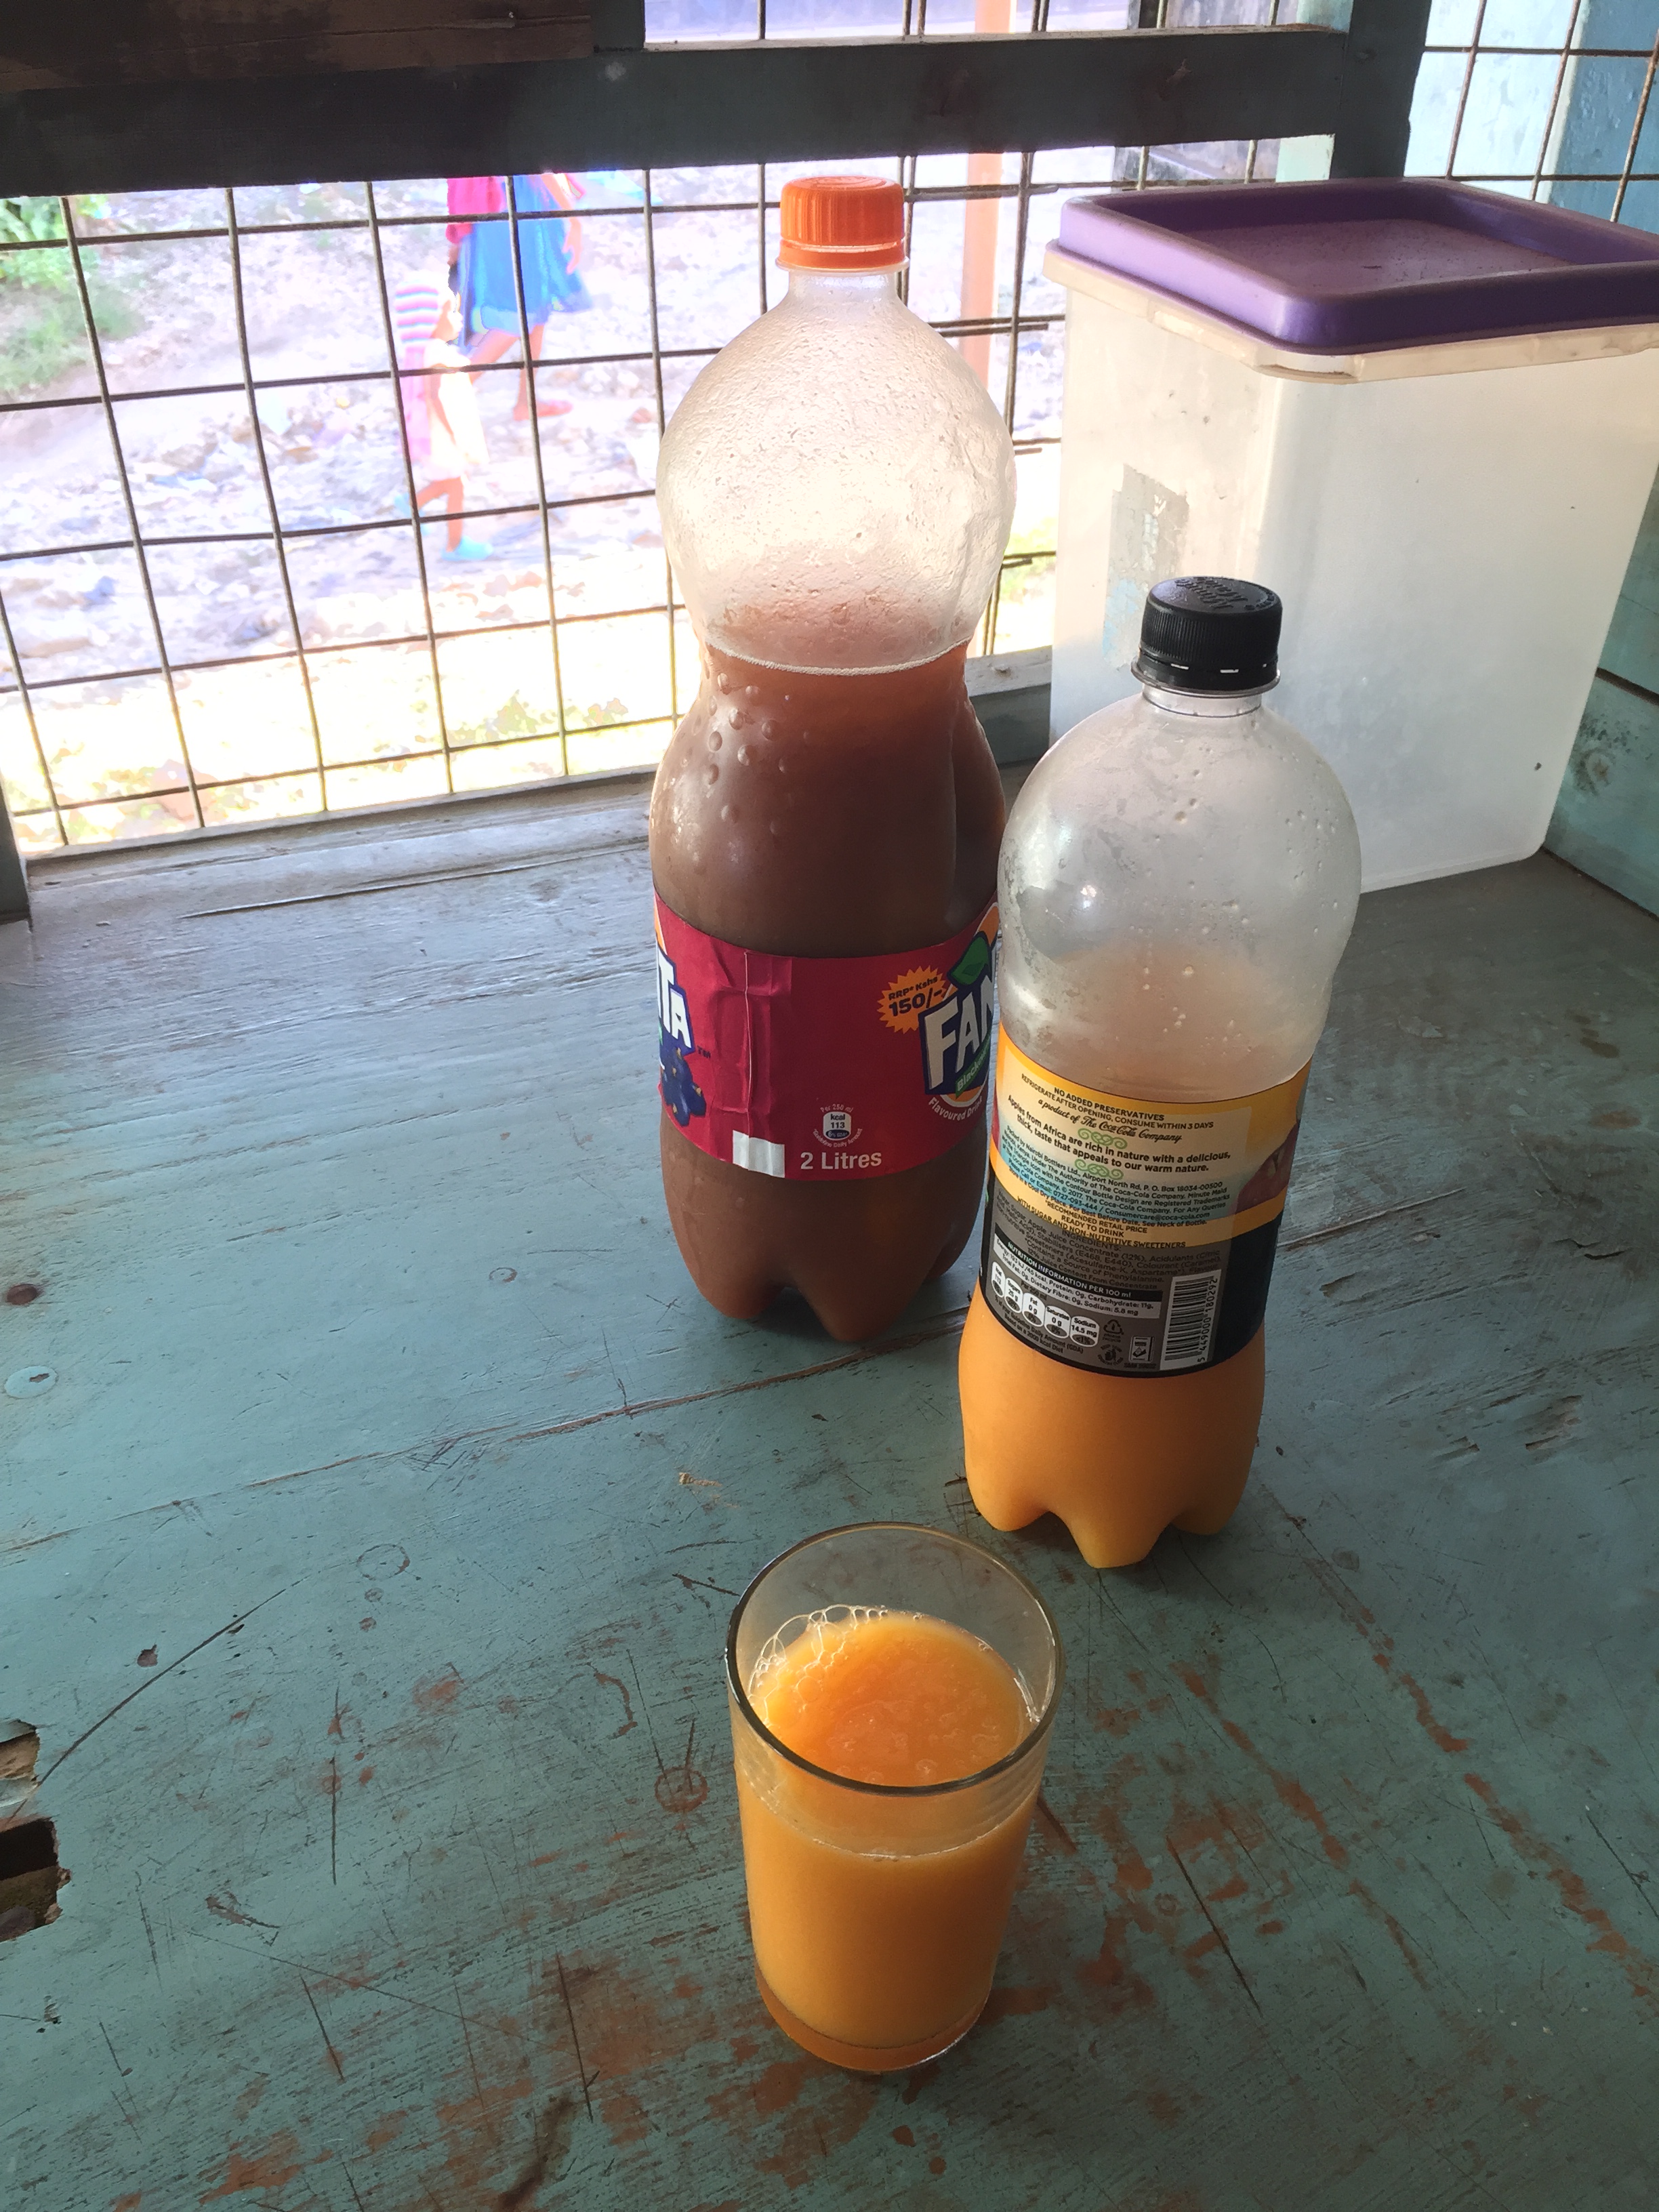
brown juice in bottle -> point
(835, 490)
(822, 816)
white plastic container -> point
(1445, 503)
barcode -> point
(1192, 1319)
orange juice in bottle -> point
(1178, 879)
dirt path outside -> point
(332, 444)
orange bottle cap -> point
(842, 222)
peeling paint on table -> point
(366, 1569)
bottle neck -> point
(821, 286)
(1209, 705)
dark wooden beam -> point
(108, 42)
(1373, 120)
(680, 107)
(14, 885)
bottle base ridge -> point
(1118, 1459)
(858, 1254)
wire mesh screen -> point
(341, 494)
(1552, 99)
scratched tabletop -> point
(365, 1561)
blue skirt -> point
(483, 273)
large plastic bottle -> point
(1178, 880)
(835, 490)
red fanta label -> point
(820, 1069)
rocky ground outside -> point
(331, 442)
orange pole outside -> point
(979, 226)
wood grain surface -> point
(1607, 815)
(365, 1569)
(100, 42)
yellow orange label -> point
(1129, 1235)
(1133, 1170)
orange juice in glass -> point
(891, 1692)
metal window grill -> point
(367, 667)
(1549, 98)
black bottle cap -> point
(1210, 634)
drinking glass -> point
(876, 1910)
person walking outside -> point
(440, 409)
(550, 246)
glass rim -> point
(1039, 1730)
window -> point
(215, 606)
(1549, 98)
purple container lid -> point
(1360, 263)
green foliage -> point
(598, 717)
(42, 328)
(28, 219)
(1036, 541)
(515, 718)
(23, 221)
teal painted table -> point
(364, 1570)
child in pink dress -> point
(440, 412)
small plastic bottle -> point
(1178, 879)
